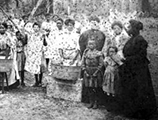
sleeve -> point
(77, 41)
(24, 40)
(124, 39)
(11, 41)
(101, 61)
(105, 61)
(83, 42)
(83, 65)
(141, 45)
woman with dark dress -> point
(135, 89)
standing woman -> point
(136, 92)
(70, 45)
(34, 54)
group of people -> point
(121, 71)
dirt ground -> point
(32, 104)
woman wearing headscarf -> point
(135, 91)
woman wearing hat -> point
(135, 91)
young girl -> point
(92, 63)
(111, 62)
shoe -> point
(40, 85)
(95, 106)
(35, 85)
(90, 105)
(23, 85)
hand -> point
(87, 74)
(95, 74)
(71, 62)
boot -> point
(90, 105)
(40, 79)
(91, 98)
(95, 106)
(22, 79)
(37, 82)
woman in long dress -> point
(135, 93)
(70, 45)
(7, 51)
(34, 54)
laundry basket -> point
(66, 72)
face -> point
(55, 18)
(25, 19)
(48, 18)
(94, 24)
(130, 30)
(18, 36)
(91, 45)
(36, 28)
(117, 30)
(112, 51)
(59, 24)
(70, 27)
(2, 29)
(10, 27)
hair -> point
(5, 25)
(113, 47)
(118, 23)
(136, 24)
(47, 15)
(60, 19)
(67, 21)
(18, 32)
(94, 18)
(35, 23)
(55, 16)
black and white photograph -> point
(78, 59)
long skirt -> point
(135, 91)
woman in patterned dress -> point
(54, 41)
(92, 63)
(34, 54)
(7, 51)
(70, 45)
